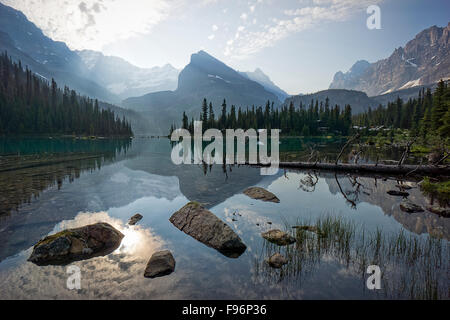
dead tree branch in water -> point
(406, 152)
(355, 137)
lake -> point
(47, 185)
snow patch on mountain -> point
(410, 84)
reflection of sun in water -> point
(131, 240)
(137, 241)
(115, 276)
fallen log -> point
(431, 170)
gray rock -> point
(261, 194)
(277, 261)
(76, 244)
(410, 207)
(203, 225)
(307, 228)
(278, 237)
(134, 219)
(160, 264)
(398, 193)
(444, 212)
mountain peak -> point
(422, 61)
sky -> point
(299, 44)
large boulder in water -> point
(76, 244)
(203, 225)
(160, 264)
(261, 194)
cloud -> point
(211, 37)
(293, 21)
(91, 24)
(215, 28)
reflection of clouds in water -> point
(118, 275)
(249, 224)
(120, 177)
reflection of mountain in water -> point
(374, 191)
(209, 185)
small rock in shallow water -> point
(398, 193)
(307, 228)
(444, 212)
(160, 264)
(134, 219)
(410, 207)
(278, 237)
(76, 244)
(277, 261)
(261, 194)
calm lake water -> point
(47, 185)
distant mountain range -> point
(359, 101)
(423, 61)
(157, 96)
(48, 58)
(259, 76)
(204, 77)
(126, 80)
(111, 79)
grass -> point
(413, 267)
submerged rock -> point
(278, 237)
(444, 212)
(277, 261)
(398, 193)
(410, 207)
(203, 225)
(261, 194)
(135, 219)
(76, 244)
(160, 264)
(403, 186)
(307, 228)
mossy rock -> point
(76, 244)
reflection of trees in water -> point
(359, 188)
(352, 195)
(411, 267)
(24, 177)
(308, 183)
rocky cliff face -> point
(424, 60)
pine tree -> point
(205, 114)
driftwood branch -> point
(368, 168)
(440, 161)
(355, 137)
(406, 152)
